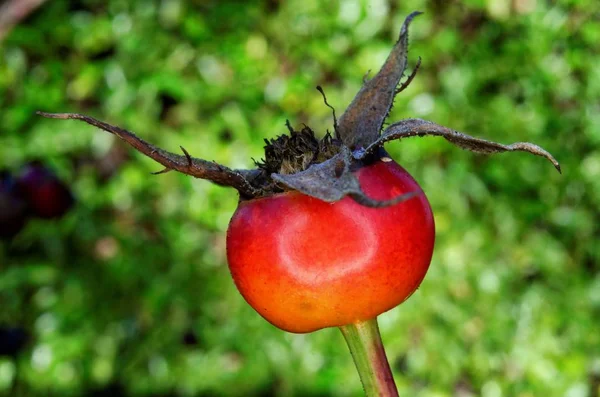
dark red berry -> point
(189, 338)
(13, 210)
(48, 197)
(12, 340)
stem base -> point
(364, 341)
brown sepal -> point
(417, 127)
(361, 123)
(219, 174)
(332, 180)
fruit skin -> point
(305, 264)
(47, 196)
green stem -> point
(364, 342)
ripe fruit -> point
(330, 231)
(46, 195)
(305, 264)
(13, 210)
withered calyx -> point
(323, 168)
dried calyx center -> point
(289, 154)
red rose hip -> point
(330, 231)
(305, 264)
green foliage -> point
(511, 304)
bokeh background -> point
(129, 293)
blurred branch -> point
(13, 11)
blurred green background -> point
(130, 295)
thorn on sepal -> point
(187, 155)
(162, 171)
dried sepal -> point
(185, 164)
(417, 127)
(361, 123)
(332, 180)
